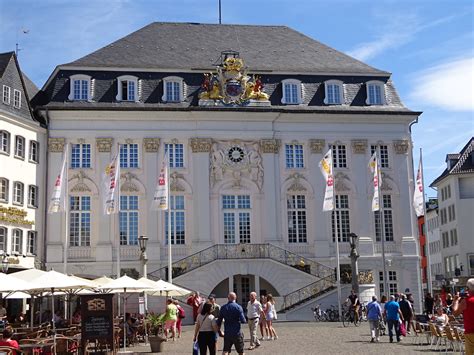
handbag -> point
(195, 348)
(403, 330)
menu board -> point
(97, 319)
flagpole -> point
(117, 221)
(425, 232)
(382, 225)
(66, 219)
(338, 267)
(170, 262)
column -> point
(257, 285)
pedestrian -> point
(205, 330)
(254, 312)
(233, 316)
(170, 319)
(181, 316)
(270, 315)
(263, 321)
(449, 303)
(429, 302)
(407, 311)
(195, 301)
(7, 339)
(215, 312)
(374, 315)
(464, 304)
(393, 315)
(437, 302)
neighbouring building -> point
(245, 114)
(22, 170)
(434, 241)
(455, 187)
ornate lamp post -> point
(142, 241)
(354, 256)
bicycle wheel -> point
(346, 319)
(324, 317)
(332, 315)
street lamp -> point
(142, 241)
(354, 256)
(5, 264)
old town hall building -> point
(245, 114)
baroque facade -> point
(245, 130)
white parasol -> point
(170, 289)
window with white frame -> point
(127, 88)
(128, 220)
(16, 98)
(443, 217)
(17, 241)
(177, 221)
(343, 221)
(3, 239)
(334, 92)
(388, 220)
(33, 155)
(382, 154)
(451, 213)
(175, 153)
(173, 89)
(4, 189)
(4, 142)
(18, 193)
(129, 155)
(79, 221)
(453, 234)
(80, 155)
(445, 238)
(80, 88)
(392, 282)
(19, 147)
(375, 93)
(294, 156)
(236, 218)
(339, 155)
(291, 94)
(296, 207)
(33, 196)
(31, 242)
(6, 94)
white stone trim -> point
(75, 77)
(381, 85)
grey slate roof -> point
(31, 88)
(4, 60)
(198, 46)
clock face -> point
(235, 154)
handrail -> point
(243, 251)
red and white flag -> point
(112, 179)
(418, 194)
(326, 166)
(162, 193)
(57, 202)
(374, 169)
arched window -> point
(80, 88)
(19, 147)
(173, 89)
(375, 93)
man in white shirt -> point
(254, 312)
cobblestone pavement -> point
(308, 338)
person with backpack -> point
(181, 316)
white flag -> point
(162, 195)
(374, 168)
(418, 194)
(326, 167)
(58, 201)
(112, 178)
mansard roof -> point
(185, 46)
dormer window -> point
(375, 93)
(291, 92)
(173, 89)
(80, 89)
(127, 88)
(334, 92)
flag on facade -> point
(112, 178)
(418, 194)
(326, 166)
(374, 169)
(162, 195)
(58, 200)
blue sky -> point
(428, 45)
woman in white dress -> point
(270, 315)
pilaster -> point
(271, 190)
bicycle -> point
(333, 313)
(349, 316)
(319, 314)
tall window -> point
(18, 193)
(382, 154)
(129, 155)
(3, 238)
(392, 282)
(31, 242)
(4, 187)
(80, 221)
(6, 94)
(127, 88)
(33, 155)
(19, 147)
(4, 142)
(445, 238)
(453, 233)
(343, 221)
(451, 213)
(81, 156)
(177, 220)
(388, 220)
(16, 98)
(17, 241)
(175, 153)
(173, 89)
(296, 206)
(236, 218)
(291, 92)
(128, 220)
(375, 93)
(294, 156)
(33, 196)
(80, 89)
(339, 155)
(333, 92)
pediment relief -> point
(296, 183)
(82, 184)
(342, 182)
(129, 185)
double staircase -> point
(326, 275)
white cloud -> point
(449, 86)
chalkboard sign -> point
(97, 320)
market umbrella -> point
(124, 283)
(170, 289)
(102, 281)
